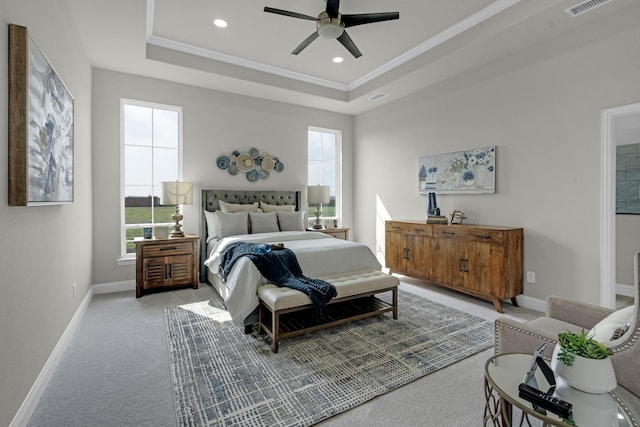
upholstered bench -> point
(291, 312)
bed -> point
(318, 254)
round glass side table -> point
(504, 372)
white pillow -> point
(291, 221)
(236, 207)
(263, 222)
(221, 224)
(603, 330)
(266, 207)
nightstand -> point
(338, 233)
(163, 264)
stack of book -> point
(437, 219)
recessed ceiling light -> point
(220, 23)
(338, 59)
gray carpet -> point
(222, 377)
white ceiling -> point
(432, 41)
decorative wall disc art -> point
(255, 165)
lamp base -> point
(317, 225)
(177, 228)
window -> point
(151, 153)
(324, 166)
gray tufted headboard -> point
(210, 202)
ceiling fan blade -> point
(346, 41)
(291, 14)
(368, 18)
(332, 8)
(305, 43)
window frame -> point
(124, 255)
(338, 162)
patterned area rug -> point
(223, 377)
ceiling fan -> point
(331, 24)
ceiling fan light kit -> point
(328, 27)
(331, 24)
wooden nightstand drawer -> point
(168, 247)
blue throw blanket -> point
(280, 267)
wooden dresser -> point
(166, 263)
(483, 261)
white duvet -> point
(318, 255)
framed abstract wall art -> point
(40, 126)
(460, 172)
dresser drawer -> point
(167, 248)
(415, 228)
(469, 234)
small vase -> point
(479, 171)
(468, 177)
(456, 179)
(589, 375)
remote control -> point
(545, 400)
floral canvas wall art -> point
(463, 172)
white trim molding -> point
(21, 419)
(108, 288)
(33, 397)
(608, 203)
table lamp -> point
(318, 195)
(177, 193)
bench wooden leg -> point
(395, 303)
(275, 329)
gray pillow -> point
(263, 222)
(231, 224)
(291, 221)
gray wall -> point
(542, 109)
(45, 249)
(215, 123)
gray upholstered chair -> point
(566, 315)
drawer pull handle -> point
(449, 233)
(483, 237)
(418, 230)
(170, 248)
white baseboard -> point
(531, 303)
(625, 290)
(33, 397)
(107, 288)
(29, 404)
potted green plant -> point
(583, 363)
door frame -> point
(608, 202)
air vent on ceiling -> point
(585, 6)
(377, 96)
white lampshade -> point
(177, 193)
(318, 194)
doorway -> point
(611, 136)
